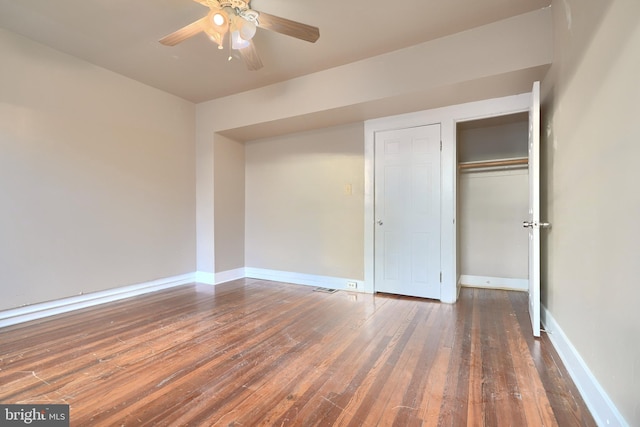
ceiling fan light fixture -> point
(239, 20)
(246, 28)
(237, 42)
(216, 26)
(218, 20)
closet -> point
(492, 201)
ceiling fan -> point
(236, 20)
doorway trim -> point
(447, 117)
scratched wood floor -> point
(251, 353)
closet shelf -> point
(502, 163)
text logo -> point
(34, 415)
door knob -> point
(527, 224)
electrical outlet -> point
(352, 285)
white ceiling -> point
(122, 36)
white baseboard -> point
(221, 277)
(494, 282)
(602, 408)
(205, 277)
(64, 305)
(303, 279)
(229, 275)
(50, 308)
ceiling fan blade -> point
(288, 27)
(250, 57)
(184, 33)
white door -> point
(407, 211)
(533, 222)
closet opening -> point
(492, 200)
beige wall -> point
(591, 148)
(477, 142)
(229, 203)
(96, 177)
(298, 217)
(492, 206)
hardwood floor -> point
(250, 353)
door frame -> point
(447, 117)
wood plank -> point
(539, 412)
(252, 352)
(499, 383)
(563, 396)
(476, 402)
(454, 407)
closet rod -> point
(494, 163)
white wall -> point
(590, 273)
(96, 178)
(299, 218)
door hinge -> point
(441, 277)
(440, 145)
